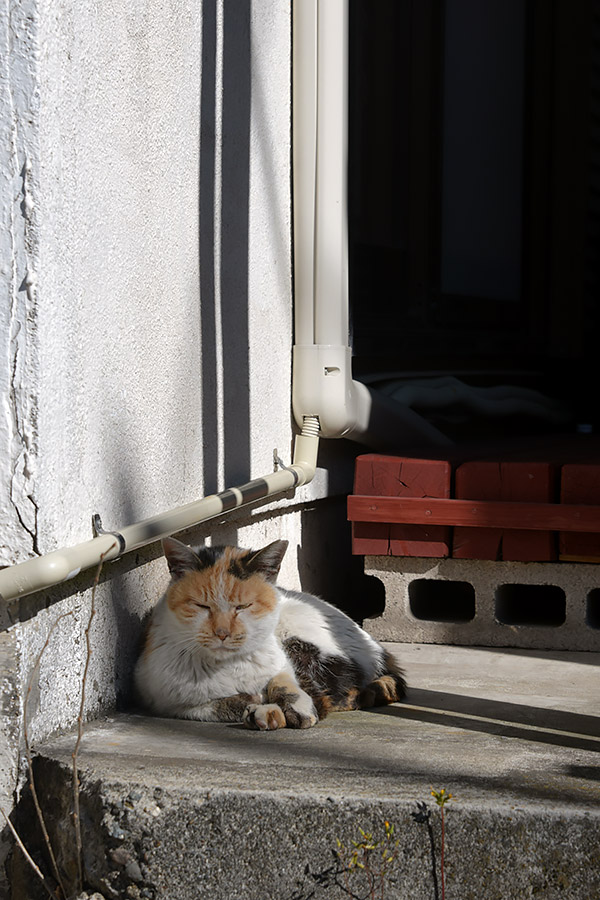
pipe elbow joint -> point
(323, 387)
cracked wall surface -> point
(19, 252)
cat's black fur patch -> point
(267, 562)
(331, 676)
(237, 568)
(207, 556)
(334, 682)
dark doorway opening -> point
(474, 198)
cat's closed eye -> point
(242, 606)
(200, 605)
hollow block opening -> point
(441, 601)
(538, 605)
(592, 613)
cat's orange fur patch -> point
(275, 719)
(349, 702)
(283, 683)
(210, 586)
(323, 705)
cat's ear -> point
(180, 558)
(266, 562)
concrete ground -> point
(185, 810)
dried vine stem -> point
(76, 814)
(27, 856)
(32, 786)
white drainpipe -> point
(322, 384)
(326, 400)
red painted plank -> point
(371, 538)
(475, 513)
(397, 476)
(580, 484)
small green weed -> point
(441, 798)
(373, 858)
(368, 862)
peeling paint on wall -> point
(19, 97)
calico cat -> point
(225, 644)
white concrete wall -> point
(146, 316)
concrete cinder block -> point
(551, 606)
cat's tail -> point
(389, 687)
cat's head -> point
(224, 595)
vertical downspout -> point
(322, 358)
(322, 382)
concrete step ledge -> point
(185, 810)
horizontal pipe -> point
(508, 514)
(61, 565)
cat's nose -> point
(222, 633)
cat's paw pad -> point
(264, 717)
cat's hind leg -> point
(389, 687)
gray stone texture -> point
(184, 810)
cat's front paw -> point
(264, 716)
(298, 707)
(300, 713)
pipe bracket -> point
(98, 530)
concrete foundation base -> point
(495, 604)
(175, 810)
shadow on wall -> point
(224, 178)
(327, 567)
(223, 273)
(224, 181)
